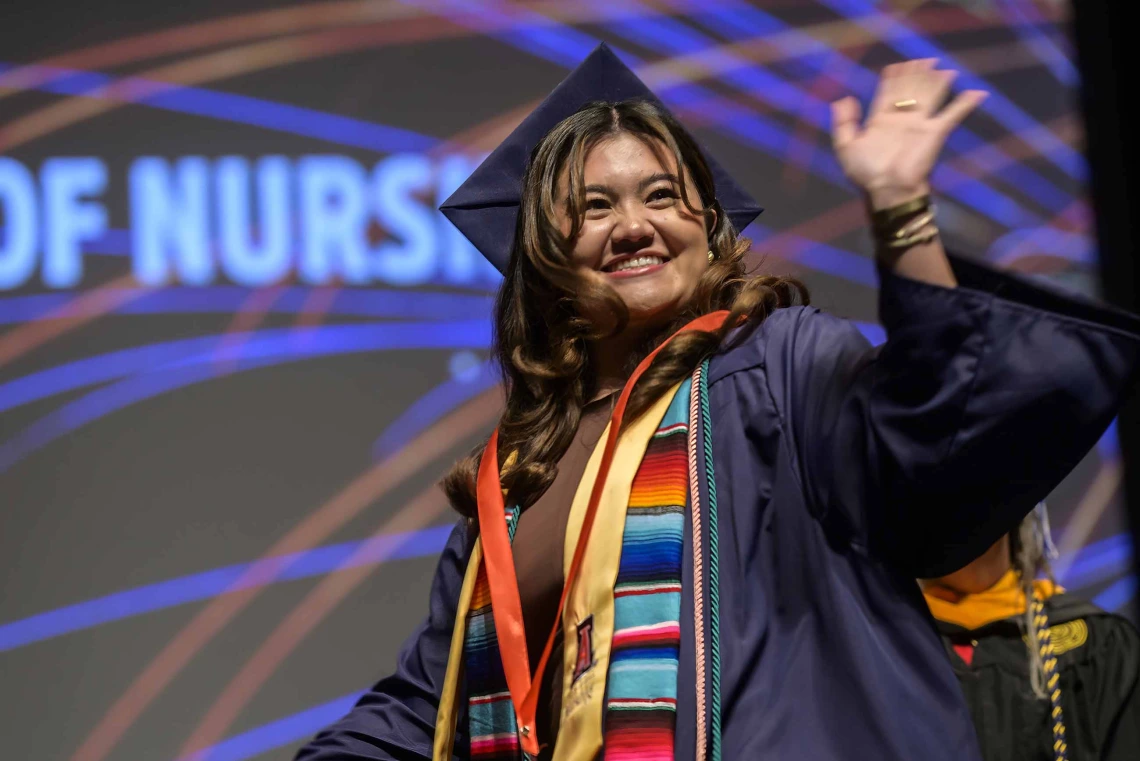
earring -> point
(711, 257)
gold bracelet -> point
(884, 217)
(924, 235)
(910, 228)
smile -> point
(638, 265)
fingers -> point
(927, 84)
(920, 81)
(959, 108)
(845, 119)
(940, 86)
(908, 80)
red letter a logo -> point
(585, 647)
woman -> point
(1046, 674)
(729, 571)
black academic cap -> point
(485, 207)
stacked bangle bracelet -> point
(908, 224)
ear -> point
(713, 221)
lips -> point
(634, 263)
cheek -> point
(590, 246)
(683, 234)
(692, 264)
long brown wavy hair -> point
(542, 336)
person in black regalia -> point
(1047, 675)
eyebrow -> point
(604, 190)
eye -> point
(662, 194)
(596, 203)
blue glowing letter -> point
(395, 183)
(18, 213)
(67, 220)
(462, 262)
(169, 212)
(243, 261)
(332, 220)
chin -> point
(653, 315)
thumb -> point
(846, 114)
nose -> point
(632, 231)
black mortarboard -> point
(485, 207)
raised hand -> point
(890, 155)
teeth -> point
(638, 262)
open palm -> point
(890, 156)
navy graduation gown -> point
(843, 472)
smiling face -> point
(636, 234)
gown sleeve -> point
(1120, 697)
(931, 446)
(395, 719)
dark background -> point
(218, 555)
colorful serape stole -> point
(640, 709)
(641, 695)
(491, 717)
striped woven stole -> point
(641, 693)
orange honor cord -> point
(506, 606)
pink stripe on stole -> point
(494, 744)
(649, 634)
(664, 588)
(496, 698)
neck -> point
(611, 360)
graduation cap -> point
(485, 207)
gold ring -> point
(906, 105)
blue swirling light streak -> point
(89, 371)
(431, 407)
(912, 44)
(1098, 561)
(315, 562)
(230, 107)
(818, 256)
(1117, 595)
(770, 88)
(1024, 19)
(211, 583)
(1076, 247)
(348, 302)
(740, 21)
(298, 726)
(264, 349)
(569, 46)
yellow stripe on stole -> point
(674, 497)
(580, 729)
(448, 710)
(449, 697)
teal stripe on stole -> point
(644, 610)
(489, 718)
(643, 679)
